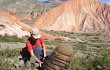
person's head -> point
(35, 34)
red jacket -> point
(30, 44)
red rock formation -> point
(11, 25)
(26, 18)
(76, 16)
(13, 19)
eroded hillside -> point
(25, 9)
(76, 16)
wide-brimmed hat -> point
(35, 33)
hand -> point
(43, 58)
(40, 64)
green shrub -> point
(90, 62)
(81, 46)
(75, 64)
(4, 54)
(8, 53)
(14, 38)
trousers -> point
(38, 52)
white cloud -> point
(108, 3)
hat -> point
(35, 33)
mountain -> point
(24, 8)
(53, 3)
(76, 16)
(11, 25)
(4, 1)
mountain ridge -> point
(76, 16)
(24, 8)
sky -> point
(42, 0)
(105, 1)
(100, 0)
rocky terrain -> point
(4, 1)
(76, 16)
(11, 25)
(24, 9)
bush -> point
(4, 54)
(14, 38)
(8, 53)
(90, 62)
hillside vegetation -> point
(91, 50)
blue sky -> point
(105, 1)
(42, 0)
(100, 0)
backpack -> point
(25, 54)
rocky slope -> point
(11, 25)
(24, 8)
(4, 1)
(76, 16)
